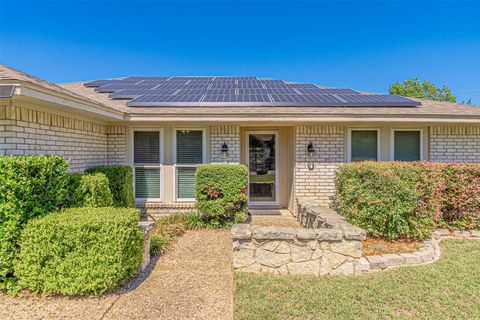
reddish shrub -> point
(408, 199)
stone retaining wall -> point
(297, 251)
(311, 215)
(428, 252)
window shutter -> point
(189, 147)
(146, 147)
(407, 145)
(364, 145)
(147, 182)
(186, 182)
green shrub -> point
(71, 195)
(458, 190)
(221, 193)
(120, 182)
(94, 190)
(409, 199)
(80, 251)
(30, 186)
(387, 199)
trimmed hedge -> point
(120, 182)
(458, 195)
(408, 199)
(30, 186)
(221, 193)
(94, 190)
(71, 196)
(80, 251)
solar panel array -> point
(241, 91)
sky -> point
(361, 45)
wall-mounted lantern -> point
(310, 150)
(224, 150)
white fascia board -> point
(35, 92)
(304, 118)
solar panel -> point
(98, 83)
(247, 91)
(133, 93)
(196, 86)
(317, 91)
(209, 91)
(237, 98)
(190, 90)
(112, 87)
(307, 99)
(168, 98)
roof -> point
(427, 108)
(214, 91)
(77, 90)
(8, 74)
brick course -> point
(455, 144)
(26, 131)
(315, 176)
(229, 134)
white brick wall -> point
(229, 134)
(315, 177)
(455, 144)
(26, 131)
(116, 145)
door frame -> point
(277, 162)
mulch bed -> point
(377, 246)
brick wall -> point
(116, 145)
(27, 131)
(315, 176)
(229, 134)
(455, 144)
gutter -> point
(292, 118)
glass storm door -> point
(262, 171)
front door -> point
(262, 167)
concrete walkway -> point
(192, 281)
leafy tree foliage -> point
(426, 89)
(469, 102)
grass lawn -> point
(269, 177)
(446, 289)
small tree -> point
(426, 89)
(469, 102)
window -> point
(407, 145)
(147, 164)
(364, 145)
(189, 154)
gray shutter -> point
(146, 147)
(189, 147)
(186, 182)
(364, 145)
(147, 182)
(407, 145)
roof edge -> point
(35, 91)
(307, 118)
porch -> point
(280, 166)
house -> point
(291, 136)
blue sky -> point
(362, 45)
